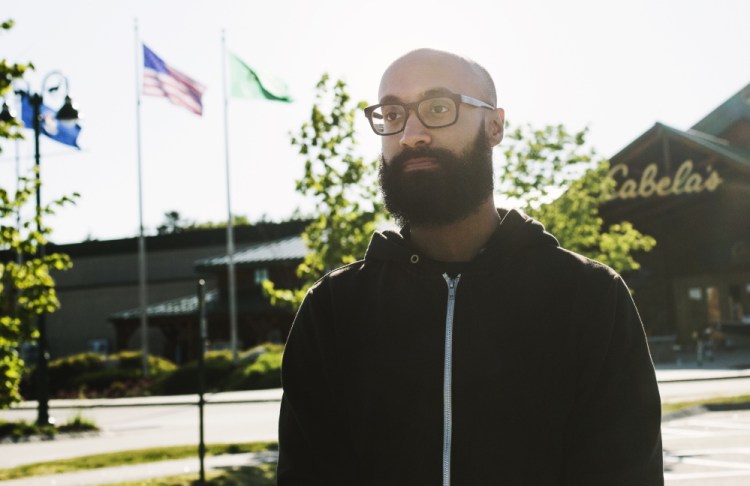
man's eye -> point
(439, 108)
(392, 115)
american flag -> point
(159, 79)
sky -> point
(615, 67)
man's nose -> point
(415, 133)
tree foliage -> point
(174, 223)
(26, 287)
(559, 180)
(342, 184)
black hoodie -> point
(535, 372)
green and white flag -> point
(249, 83)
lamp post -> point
(67, 113)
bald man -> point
(467, 348)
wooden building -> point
(690, 189)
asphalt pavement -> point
(687, 367)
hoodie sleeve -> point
(311, 439)
(613, 436)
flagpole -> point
(230, 224)
(142, 293)
(19, 227)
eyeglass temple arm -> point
(475, 102)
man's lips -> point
(419, 163)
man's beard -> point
(439, 195)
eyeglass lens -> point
(432, 112)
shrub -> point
(93, 375)
(103, 379)
(264, 372)
(63, 373)
(131, 360)
(21, 429)
(184, 380)
(78, 423)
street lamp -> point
(66, 114)
(6, 116)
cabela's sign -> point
(684, 181)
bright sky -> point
(617, 67)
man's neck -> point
(460, 241)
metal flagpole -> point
(19, 255)
(230, 224)
(142, 300)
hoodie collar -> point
(515, 232)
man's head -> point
(439, 125)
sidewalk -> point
(725, 364)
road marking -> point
(707, 451)
(704, 475)
(678, 434)
(714, 463)
(720, 424)
(685, 433)
(687, 457)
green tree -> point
(557, 178)
(26, 286)
(175, 223)
(342, 184)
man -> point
(468, 348)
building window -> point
(260, 275)
(695, 293)
(712, 300)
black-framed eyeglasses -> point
(434, 112)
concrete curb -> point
(687, 375)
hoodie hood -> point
(516, 232)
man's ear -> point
(495, 126)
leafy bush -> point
(93, 375)
(78, 423)
(131, 360)
(63, 371)
(15, 431)
(21, 429)
(257, 368)
(264, 372)
(184, 380)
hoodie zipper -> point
(447, 378)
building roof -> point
(188, 238)
(187, 306)
(181, 306)
(285, 250)
(735, 108)
(705, 141)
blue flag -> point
(63, 132)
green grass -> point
(21, 429)
(262, 475)
(78, 423)
(124, 458)
(678, 406)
